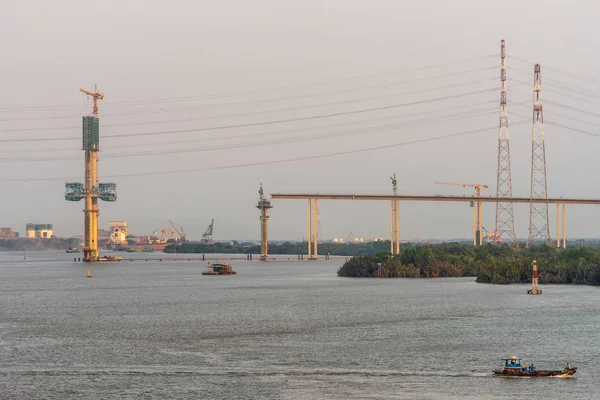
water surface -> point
(281, 330)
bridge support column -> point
(395, 226)
(309, 228)
(480, 222)
(392, 226)
(315, 230)
(561, 226)
(564, 221)
(557, 225)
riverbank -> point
(30, 244)
(489, 263)
(334, 249)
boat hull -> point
(218, 273)
(562, 374)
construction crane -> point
(179, 230)
(477, 210)
(348, 238)
(207, 235)
(96, 95)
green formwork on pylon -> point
(91, 133)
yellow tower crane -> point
(477, 209)
(96, 95)
(90, 252)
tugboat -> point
(219, 269)
(513, 367)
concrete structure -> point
(91, 190)
(41, 231)
(434, 198)
(263, 205)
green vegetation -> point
(25, 244)
(489, 263)
(334, 249)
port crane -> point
(207, 235)
(477, 209)
(179, 230)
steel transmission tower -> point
(505, 222)
(538, 212)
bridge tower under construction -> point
(264, 205)
(91, 190)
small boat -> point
(513, 367)
(219, 269)
(73, 250)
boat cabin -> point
(221, 268)
(514, 363)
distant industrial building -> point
(43, 231)
(118, 232)
(8, 233)
(103, 236)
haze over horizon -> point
(201, 99)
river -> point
(281, 330)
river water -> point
(281, 330)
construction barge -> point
(219, 269)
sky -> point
(206, 100)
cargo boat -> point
(219, 269)
(513, 367)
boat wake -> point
(170, 371)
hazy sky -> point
(167, 67)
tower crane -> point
(477, 210)
(96, 95)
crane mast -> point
(477, 209)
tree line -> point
(499, 264)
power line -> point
(264, 142)
(387, 146)
(259, 134)
(572, 108)
(336, 103)
(587, 79)
(272, 100)
(574, 129)
(269, 90)
(222, 127)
